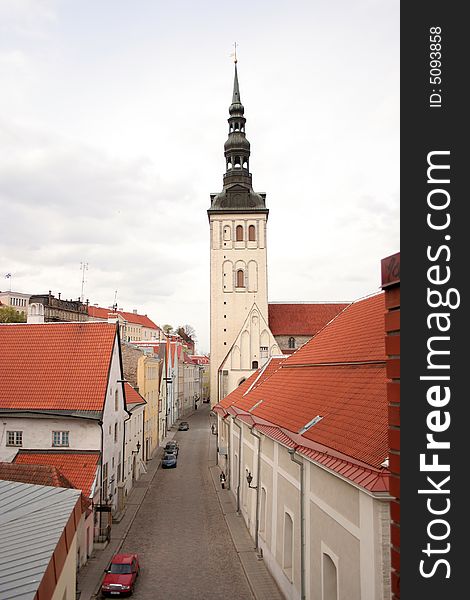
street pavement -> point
(191, 542)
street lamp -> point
(249, 478)
(138, 449)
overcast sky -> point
(113, 116)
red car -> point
(121, 575)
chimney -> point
(35, 313)
(134, 311)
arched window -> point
(240, 278)
(254, 364)
(262, 519)
(330, 579)
(288, 545)
(251, 233)
(291, 342)
(239, 233)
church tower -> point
(240, 337)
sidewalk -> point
(260, 579)
(90, 576)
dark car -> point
(169, 460)
(172, 446)
(183, 426)
(121, 575)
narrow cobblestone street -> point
(180, 533)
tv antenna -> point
(83, 268)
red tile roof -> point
(339, 375)
(55, 366)
(102, 313)
(37, 474)
(132, 396)
(302, 318)
(78, 467)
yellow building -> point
(142, 371)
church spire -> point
(237, 193)
(236, 89)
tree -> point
(167, 328)
(9, 315)
(188, 331)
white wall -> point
(345, 525)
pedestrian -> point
(222, 480)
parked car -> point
(121, 575)
(172, 446)
(183, 426)
(169, 460)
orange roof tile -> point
(55, 366)
(132, 395)
(303, 318)
(37, 474)
(355, 335)
(102, 313)
(339, 375)
(78, 467)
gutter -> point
(239, 461)
(292, 451)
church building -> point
(246, 331)
(240, 337)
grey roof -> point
(32, 519)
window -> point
(14, 438)
(116, 400)
(251, 233)
(105, 481)
(239, 233)
(60, 438)
(262, 519)
(254, 364)
(115, 432)
(330, 579)
(288, 545)
(291, 342)
(240, 278)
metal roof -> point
(32, 519)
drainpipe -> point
(302, 521)
(239, 461)
(229, 454)
(258, 483)
(101, 479)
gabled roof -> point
(132, 397)
(55, 366)
(301, 318)
(102, 313)
(37, 474)
(329, 398)
(79, 468)
(37, 524)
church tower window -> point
(240, 278)
(239, 233)
(251, 233)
